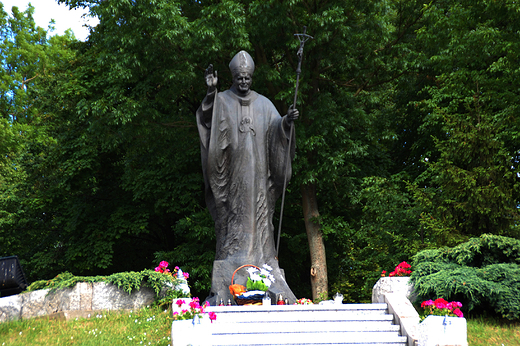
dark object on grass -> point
(12, 277)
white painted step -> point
(345, 324)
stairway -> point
(345, 324)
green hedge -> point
(483, 274)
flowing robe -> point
(244, 147)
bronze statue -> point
(244, 144)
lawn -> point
(491, 332)
(148, 326)
(151, 326)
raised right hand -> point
(211, 77)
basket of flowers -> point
(258, 282)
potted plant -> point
(443, 323)
(191, 322)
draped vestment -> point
(244, 147)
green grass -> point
(490, 332)
(148, 326)
(151, 326)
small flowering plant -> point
(188, 311)
(441, 307)
(259, 280)
(163, 268)
(304, 301)
(402, 269)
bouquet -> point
(180, 282)
(259, 280)
(177, 272)
(304, 301)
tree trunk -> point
(319, 282)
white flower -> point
(267, 266)
(267, 282)
(264, 272)
(255, 277)
(251, 270)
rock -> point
(10, 308)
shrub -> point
(483, 273)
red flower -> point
(426, 303)
(441, 303)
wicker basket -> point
(242, 301)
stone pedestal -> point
(221, 280)
(195, 332)
(390, 285)
(443, 331)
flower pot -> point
(195, 332)
(443, 330)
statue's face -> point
(242, 82)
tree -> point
(27, 59)
(473, 185)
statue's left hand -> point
(292, 114)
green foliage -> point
(481, 273)
(127, 281)
(256, 285)
(408, 131)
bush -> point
(483, 274)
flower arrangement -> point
(402, 269)
(163, 268)
(304, 301)
(193, 310)
(441, 307)
(259, 280)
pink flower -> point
(458, 312)
(440, 303)
(158, 269)
(194, 304)
(179, 302)
(175, 313)
(212, 316)
(163, 264)
(186, 275)
(426, 303)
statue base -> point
(221, 280)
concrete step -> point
(344, 324)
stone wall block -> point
(109, 297)
(36, 303)
(81, 297)
(10, 308)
